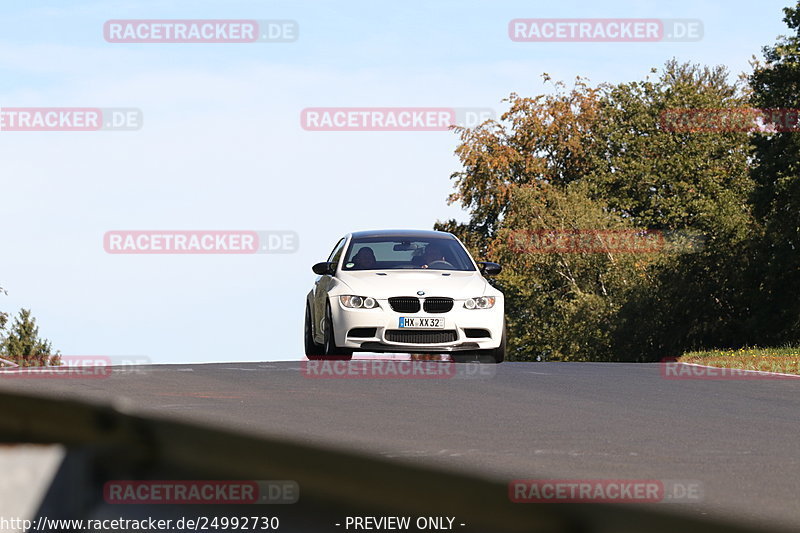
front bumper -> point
(373, 327)
(405, 348)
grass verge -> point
(781, 360)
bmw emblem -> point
(420, 293)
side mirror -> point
(324, 268)
(489, 269)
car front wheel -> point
(313, 349)
(493, 356)
(499, 353)
(331, 350)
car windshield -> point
(392, 253)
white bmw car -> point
(404, 291)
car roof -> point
(405, 233)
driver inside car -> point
(364, 259)
(433, 253)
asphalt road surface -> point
(739, 439)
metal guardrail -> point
(119, 445)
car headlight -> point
(481, 302)
(359, 302)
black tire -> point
(499, 353)
(313, 349)
(494, 356)
(331, 350)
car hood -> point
(385, 283)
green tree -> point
(540, 139)
(680, 181)
(23, 346)
(595, 158)
(512, 170)
(3, 321)
(776, 85)
(667, 179)
(559, 303)
(3, 316)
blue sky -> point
(222, 148)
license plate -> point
(421, 322)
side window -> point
(336, 254)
